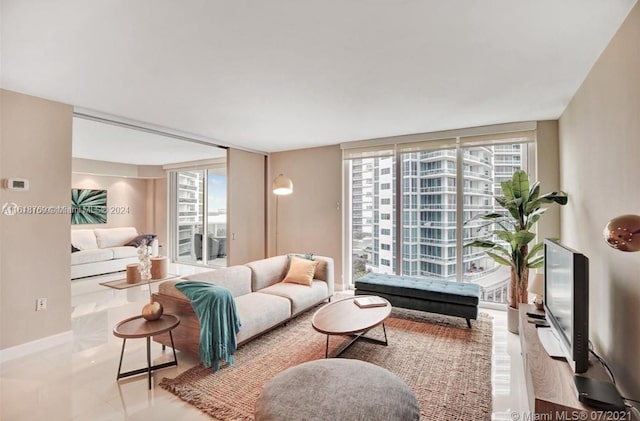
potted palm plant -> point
(522, 202)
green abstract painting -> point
(88, 206)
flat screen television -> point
(566, 301)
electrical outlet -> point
(41, 304)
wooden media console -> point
(550, 387)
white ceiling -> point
(113, 143)
(287, 74)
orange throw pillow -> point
(301, 271)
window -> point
(199, 213)
(427, 233)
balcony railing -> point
(484, 175)
(437, 172)
(438, 189)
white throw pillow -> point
(114, 237)
(84, 239)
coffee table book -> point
(366, 302)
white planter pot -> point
(513, 320)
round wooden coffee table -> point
(138, 327)
(344, 317)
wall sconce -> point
(619, 233)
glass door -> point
(216, 215)
(190, 214)
(200, 216)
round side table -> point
(138, 327)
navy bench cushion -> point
(424, 288)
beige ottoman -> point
(337, 389)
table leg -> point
(124, 341)
(355, 337)
(149, 359)
(149, 368)
(175, 357)
(326, 348)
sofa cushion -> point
(235, 278)
(113, 237)
(267, 272)
(321, 269)
(91, 256)
(302, 297)
(137, 241)
(123, 252)
(301, 271)
(259, 312)
(84, 239)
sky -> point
(217, 192)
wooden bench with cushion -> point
(432, 295)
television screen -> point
(559, 291)
(566, 301)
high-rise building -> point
(190, 197)
(429, 191)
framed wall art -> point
(88, 206)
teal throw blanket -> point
(219, 321)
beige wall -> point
(36, 144)
(548, 174)
(310, 219)
(156, 218)
(144, 199)
(126, 200)
(95, 167)
(600, 168)
(246, 207)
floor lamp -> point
(282, 186)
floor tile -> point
(77, 380)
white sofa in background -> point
(104, 250)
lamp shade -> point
(621, 233)
(282, 185)
(537, 285)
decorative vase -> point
(518, 292)
(513, 315)
(152, 311)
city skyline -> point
(429, 212)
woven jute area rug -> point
(446, 364)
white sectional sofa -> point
(104, 250)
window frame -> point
(464, 139)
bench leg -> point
(469, 323)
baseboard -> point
(32, 347)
